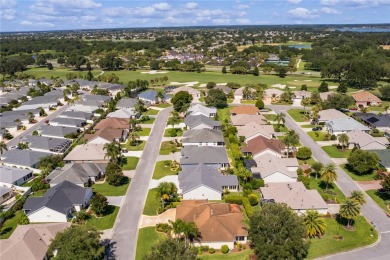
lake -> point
(364, 30)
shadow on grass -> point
(6, 231)
(383, 195)
(344, 222)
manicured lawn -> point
(270, 117)
(181, 120)
(223, 114)
(144, 131)
(355, 177)
(382, 199)
(317, 184)
(308, 126)
(282, 128)
(163, 105)
(105, 222)
(151, 112)
(147, 237)
(179, 132)
(334, 152)
(10, 224)
(138, 147)
(320, 137)
(131, 163)
(243, 255)
(108, 190)
(167, 147)
(351, 239)
(152, 203)
(160, 170)
(248, 102)
(297, 115)
(150, 121)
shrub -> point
(253, 200)
(24, 220)
(211, 250)
(325, 197)
(247, 206)
(257, 183)
(204, 248)
(242, 139)
(259, 104)
(333, 138)
(304, 153)
(162, 227)
(39, 184)
(224, 249)
(234, 199)
(247, 189)
(175, 204)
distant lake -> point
(364, 29)
(299, 46)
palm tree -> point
(175, 119)
(349, 210)
(134, 137)
(139, 107)
(328, 174)
(291, 140)
(3, 147)
(358, 196)
(188, 230)
(113, 151)
(305, 102)
(314, 112)
(132, 124)
(166, 191)
(160, 96)
(315, 225)
(343, 140)
(281, 117)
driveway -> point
(174, 156)
(170, 178)
(124, 240)
(370, 210)
(133, 154)
(151, 221)
(370, 185)
(115, 200)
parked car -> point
(317, 128)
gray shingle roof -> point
(59, 131)
(384, 157)
(26, 158)
(59, 145)
(374, 119)
(202, 109)
(11, 174)
(99, 98)
(203, 154)
(126, 103)
(193, 121)
(76, 114)
(69, 121)
(202, 136)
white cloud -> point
(135, 12)
(191, 6)
(295, 1)
(241, 6)
(162, 6)
(221, 21)
(356, 3)
(7, 10)
(89, 18)
(35, 24)
(108, 20)
(327, 10)
(243, 21)
(302, 13)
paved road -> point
(124, 240)
(17, 139)
(370, 210)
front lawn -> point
(318, 135)
(151, 112)
(326, 245)
(152, 203)
(243, 255)
(106, 221)
(381, 198)
(144, 131)
(149, 121)
(163, 105)
(179, 132)
(130, 163)
(108, 190)
(169, 123)
(270, 117)
(138, 146)
(282, 128)
(168, 146)
(298, 115)
(10, 224)
(248, 102)
(147, 237)
(163, 169)
(335, 152)
(355, 177)
(333, 193)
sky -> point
(41, 15)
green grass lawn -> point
(270, 117)
(167, 147)
(150, 121)
(223, 114)
(382, 199)
(317, 184)
(131, 163)
(248, 102)
(108, 190)
(137, 147)
(105, 222)
(27, 184)
(38, 193)
(297, 115)
(181, 120)
(163, 105)
(243, 255)
(160, 170)
(10, 224)
(147, 237)
(144, 131)
(320, 137)
(179, 132)
(309, 126)
(152, 203)
(151, 112)
(351, 239)
(334, 152)
(282, 128)
(355, 177)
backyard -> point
(162, 169)
(106, 221)
(130, 163)
(10, 224)
(106, 189)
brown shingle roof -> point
(365, 96)
(107, 133)
(117, 123)
(217, 222)
(260, 143)
(250, 110)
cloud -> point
(302, 13)
(327, 10)
(295, 1)
(7, 10)
(221, 21)
(243, 21)
(241, 6)
(162, 6)
(108, 20)
(89, 18)
(35, 24)
(191, 6)
(355, 3)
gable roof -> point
(99, 98)
(109, 134)
(77, 173)
(126, 103)
(193, 154)
(363, 139)
(365, 96)
(202, 109)
(268, 164)
(260, 144)
(331, 114)
(301, 93)
(250, 110)
(58, 145)
(12, 174)
(384, 157)
(59, 131)
(243, 119)
(87, 152)
(193, 121)
(204, 135)
(125, 113)
(26, 158)
(253, 128)
(68, 121)
(76, 114)
(116, 123)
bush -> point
(253, 200)
(247, 206)
(39, 184)
(162, 227)
(257, 183)
(259, 104)
(24, 220)
(175, 204)
(242, 139)
(247, 189)
(224, 249)
(333, 138)
(204, 248)
(234, 199)
(304, 153)
(211, 250)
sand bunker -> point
(332, 87)
(187, 84)
(154, 72)
(281, 86)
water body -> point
(364, 30)
(299, 46)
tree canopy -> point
(172, 249)
(362, 162)
(181, 101)
(216, 98)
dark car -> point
(317, 128)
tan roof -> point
(243, 119)
(87, 152)
(107, 133)
(331, 114)
(268, 164)
(250, 110)
(365, 96)
(324, 95)
(117, 123)
(190, 90)
(295, 195)
(240, 91)
(217, 222)
(30, 241)
(260, 144)
(363, 139)
(252, 129)
(273, 92)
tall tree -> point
(172, 249)
(181, 101)
(134, 137)
(343, 140)
(349, 210)
(166, 191)
(358, 196)
(113, 151)
(291, 140)
(315, 225)
(328, 174)
(362, 162)
(3, 147)
(99, 204)
(280, 118)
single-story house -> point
(81, 174)
(215, 157)
(69, 122)
(201, 121)
(199, 109)
(344, 125)
(115, 123)
(239, 93)
(58, 203)
(260, 145)
(126, 103)
(384, 158)
(300, 94)
(77, 115)
(10, 176)
(97, 98)
(225, 89)
(83, 108)
(246, 109)
(204, 182)
(23, 158)
(364, 98)
(30, 241)
(48, 144)
(364, 141)
(9, 125)
(203, 137)
(272, 94)
(252, 130)
(330, 114)
(380, 122)
(243, 119)
(57, 131)
(325, 95)
(295, 195)
(87, 153)
(91, 103)
(151, 96)
(5, 194)
(44, 102)
(107, 135)
(125, 113)
(219, 223)
(193, 92)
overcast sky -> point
(31, 15)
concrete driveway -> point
(370, 185)
(170, 178)
(115, 200)
(151, 221)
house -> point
(80, 107)
(5, 194)
(204, 182)
(124, 113)
(97, 98)
(260, 145)
(193, 92)
(10, 176)
(69, 122)
(115, 123)
(300, 94)
(330, 114)
(364, 98)
(325, 95)
(294, 195)
(225, 89)
(364, 141)
(57, 131)
(48, 144)
(248, 110)
(240, 93)
(23, 158)
(272, 94)
(30, 241)
(77, 115)
(126, 103)
(380, 122)
(81, 174)
(219, 223)
(203, 137)
(107, 135)
(58, 203)
(201, 121)
(344, 125)
(199, 109)
(252, 130)
(44, 102)
(151, 96)
(244, 119)
(384, 158)
(215, 157)
(274, 169)
(87, 153)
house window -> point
(240, 238)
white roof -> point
(268, 164)
(346, 124)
